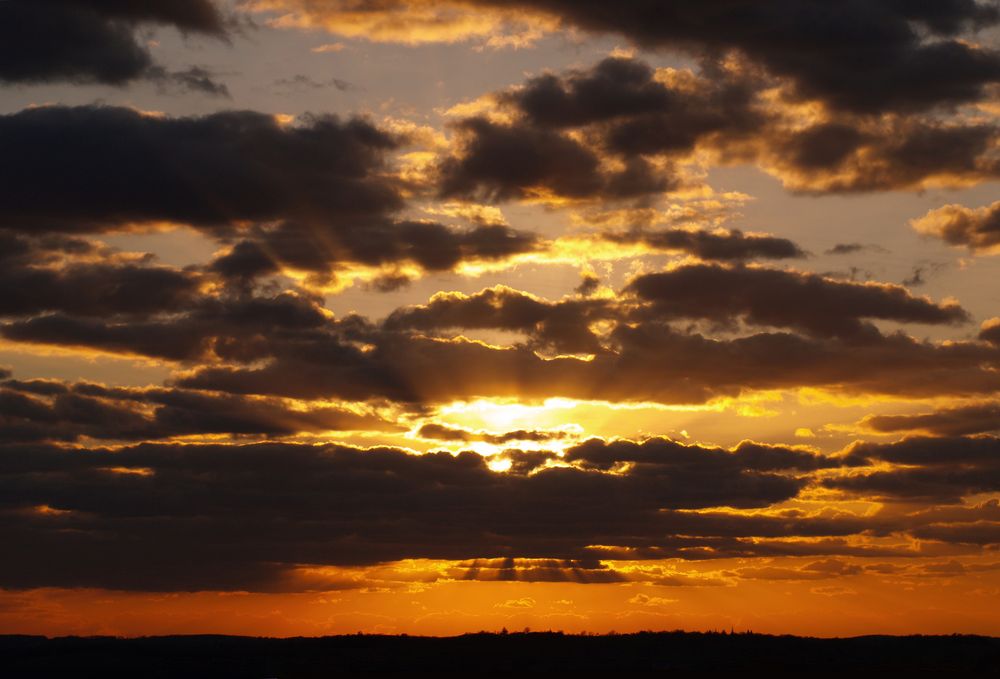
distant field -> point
(491, 654)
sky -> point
(400, 316)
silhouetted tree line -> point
(27, 657)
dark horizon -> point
(221, 656)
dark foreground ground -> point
(666, 653)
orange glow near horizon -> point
(735, 594)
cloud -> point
(285, 344)
(622, 131)
(719, 245)
(191, 79)
(227, 327)
(41, 410)
(583, 571)
(97, 42)
(891, 63)
(97, 289)
(881, 154)
(283, 505)
(772, 297)
(522, 603)
(562, 326)
(816, 570)
(300, 82)
(404, 21)
(443, 432)
(990, 331)
(644, 114)
(246, 166)
(978, 418)
(500, 162)
(652, 601)
(589, 284)
(310, 195)
(846, 248)
(647, 361)
(629, 117)
(903, 57)
(976, 228)
(319, 249)
(940, 470)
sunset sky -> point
(326, 316)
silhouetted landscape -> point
(256, 657)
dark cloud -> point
(19, 250)
(641, 114)
(889, 154)
(823, 146)
(281, 506)
(940, 470)
(158, 339)
(643, 362)
(733, 245)
(285, 344)
(627, 114)
(310, 195)
(191, 79)
(561, 326)
(99, 289)
(588, 285)
(772, 297)
(696, 367)
(863, 56)
(229, 327)
(102, 168)
(96, 41)
(583, 571)
(899, 56)
(619, 131)
(150, 516)
(846, 249)
(443, 432)
(975, 228)
(498, 162)
(990, 331)
(300, 81)
(55, 411)
(972, 419)
(433, 246)
(188, 15)
(915, 279)
(598, 454)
